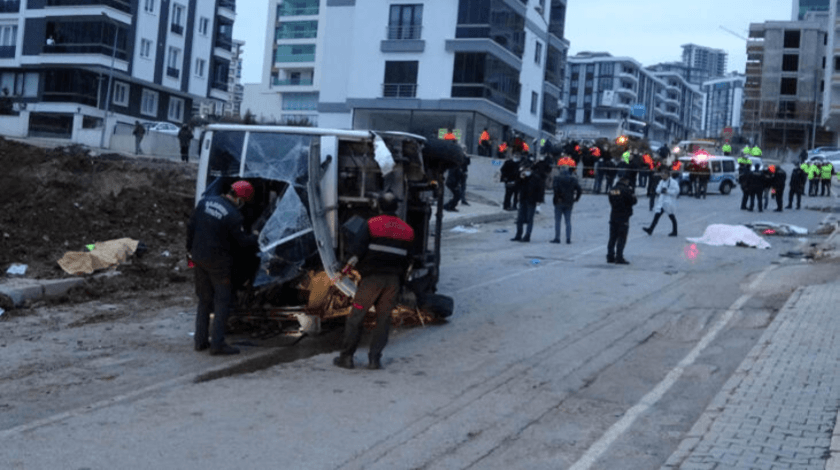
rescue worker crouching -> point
(383, 261)
(215, 236)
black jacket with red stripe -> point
(387, 244)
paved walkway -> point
(780, 408)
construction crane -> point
(733, 33)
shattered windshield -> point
(286, 239)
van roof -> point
(307, 131)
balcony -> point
(409, 32)
(294, 58)
(629, 75)
(399, 90)
(219, 85)
(672, 100)
(173, 72)
(307, 33)
(121, 5)
(90, 48)
(10, 6)
(291, 10)
(229, 4)
(626, 91)
(292, 82)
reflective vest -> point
(756, 152)
(648, 161)
(812, 171)
(485, 136)
(826, 171)
(626, 157)
(676, 166)
(502, 147)
(746, 150)
(525, 147)
(390, 240)
(726, 148)
(595, 151)
(743, 160)
(449, 136)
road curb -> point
(22, 290)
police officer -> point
(214, 237)
(813, 178)
(622, 201)
(383, 262)
(825, 175)
(777, 185)
(796, 187)
(509, 176)
(755, 185)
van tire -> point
(726, 188)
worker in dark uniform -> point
(509, 176)
(622, 201)
(796, 187)
(214, 235)
(454, 181)
(777, 185)
(383, 262)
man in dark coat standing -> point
(567, 192)
(532, 192)
(796, 187)
(215, 236)
(454, 181)
(509, 176)
(185, 136)
(777, 185)
(622, 201)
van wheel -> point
(725, 188)
(441, 306)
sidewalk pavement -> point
(779, 410)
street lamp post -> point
(110, 80)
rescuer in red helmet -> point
(215, 236)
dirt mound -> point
(59, 200)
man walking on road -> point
(214, 237)
(383, 261)
(567, 191)
(139, 131)
(622, 201)
(185, 136)
(666, 201)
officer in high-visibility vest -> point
(500, 151)
(755, 152)
(449, 135)
(727, 149)
(812, 170)
(744, 161)
(825, 175)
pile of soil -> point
(57, 200)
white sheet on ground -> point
(730, 235)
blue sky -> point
(649, 31)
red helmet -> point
(243, 189)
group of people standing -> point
(185, 137)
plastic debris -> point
(462, 229)
(535, 261)
(16, 270)
(165, 254)
(774, 228)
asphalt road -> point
(553, 359)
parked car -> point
(309, 183)
(162, 127)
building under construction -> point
(784, 83)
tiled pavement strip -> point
(779, 409)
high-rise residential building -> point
(802, 7)
(703, 63)
(65, 63)
(784, 82)
(724, 98)
(430, 65)
(830, 119)
(611, 96)
(291, 76)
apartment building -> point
(68, 63)
(437, 64)
(723, 102)
(703, 63)
(291, 76)
(802, 7)
(612, 96)
(785, 81)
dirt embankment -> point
(59, 200)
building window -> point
(535, 100)
(297, 30)
(607, 68)
(200, 67)
(176, 109)
(149, 6)
(538, 53)
(787, 110)
(792, 39)
(837, 63)
(145, 48)
(295, 53)
(177, 19)
(400, 79)
(8, 40)
(300, 102)
(120, 94)
(587, 116)
(790, 62)
(788, 86)
(173, 66)
(405, 22)
(203, 26)
(480, 75)
(494, 20)
(149, 103)
(573, 99)
(297, 8)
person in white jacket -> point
(666, 201)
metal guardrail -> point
(403, 32)
(399, 90)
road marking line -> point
(616, 430)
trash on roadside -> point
(462, 229)
(730, 235)
(774, 228)
(104, 255)
(535, 261)
(165, 254)
(16, 269)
